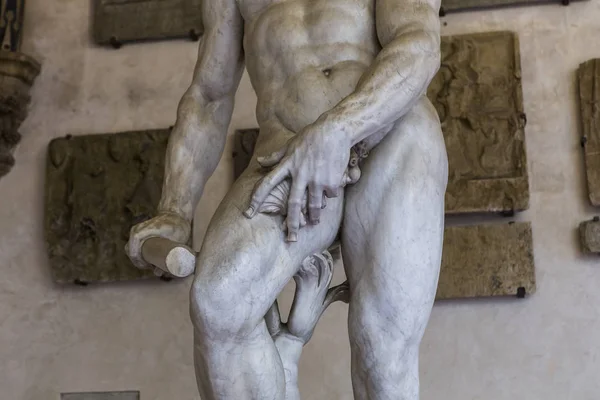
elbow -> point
(417, 57)
(424, 45)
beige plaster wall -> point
(137, 335)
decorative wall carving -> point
(589, 233)
(477, 93)
(120, 21)
(589, 95)
(97, 187)
(487, 260)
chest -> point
(310, 11)
(295, 23)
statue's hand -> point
(166, 225)
(316, 160)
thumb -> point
(272, 159)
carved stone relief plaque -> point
(477, 93)
(466, 5)
(477, 261)
(589, 233)
(97, 187)
(120, 21)
(487, 260)
(131, 395)
(589, 95)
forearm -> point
(398, 77)
(195, 148)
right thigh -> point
(245, 263)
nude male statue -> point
(329, 74)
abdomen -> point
(310, 93)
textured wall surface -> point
(137, 336)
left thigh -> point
(393, 229)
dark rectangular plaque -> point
(97, 187)
(120, 21)
(589, 102)
(477, 93)
(467, 5)
(487, 260)
(130, 395)
(589, 234)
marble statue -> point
(349, 147)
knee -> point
(217, 311)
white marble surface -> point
(137, 336)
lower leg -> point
(242, 367)
(390, 373)
(312, 297)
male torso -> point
(304, 56)
(329, 75)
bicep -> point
(221, 56)
(397, 18)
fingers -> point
(273, 158)
(264, 187)
(315, 204)
(295, 209)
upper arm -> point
(398, 18)
(221, 56)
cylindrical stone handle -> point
(177, 259)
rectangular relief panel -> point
(589, 102)
(487, 260)
(467, 5)
(589, 234)
(478, 96)
(120, 21)
(97, 187)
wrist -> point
(178, 212)
(337, 123)
(335, 130)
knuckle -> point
(294, 203)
